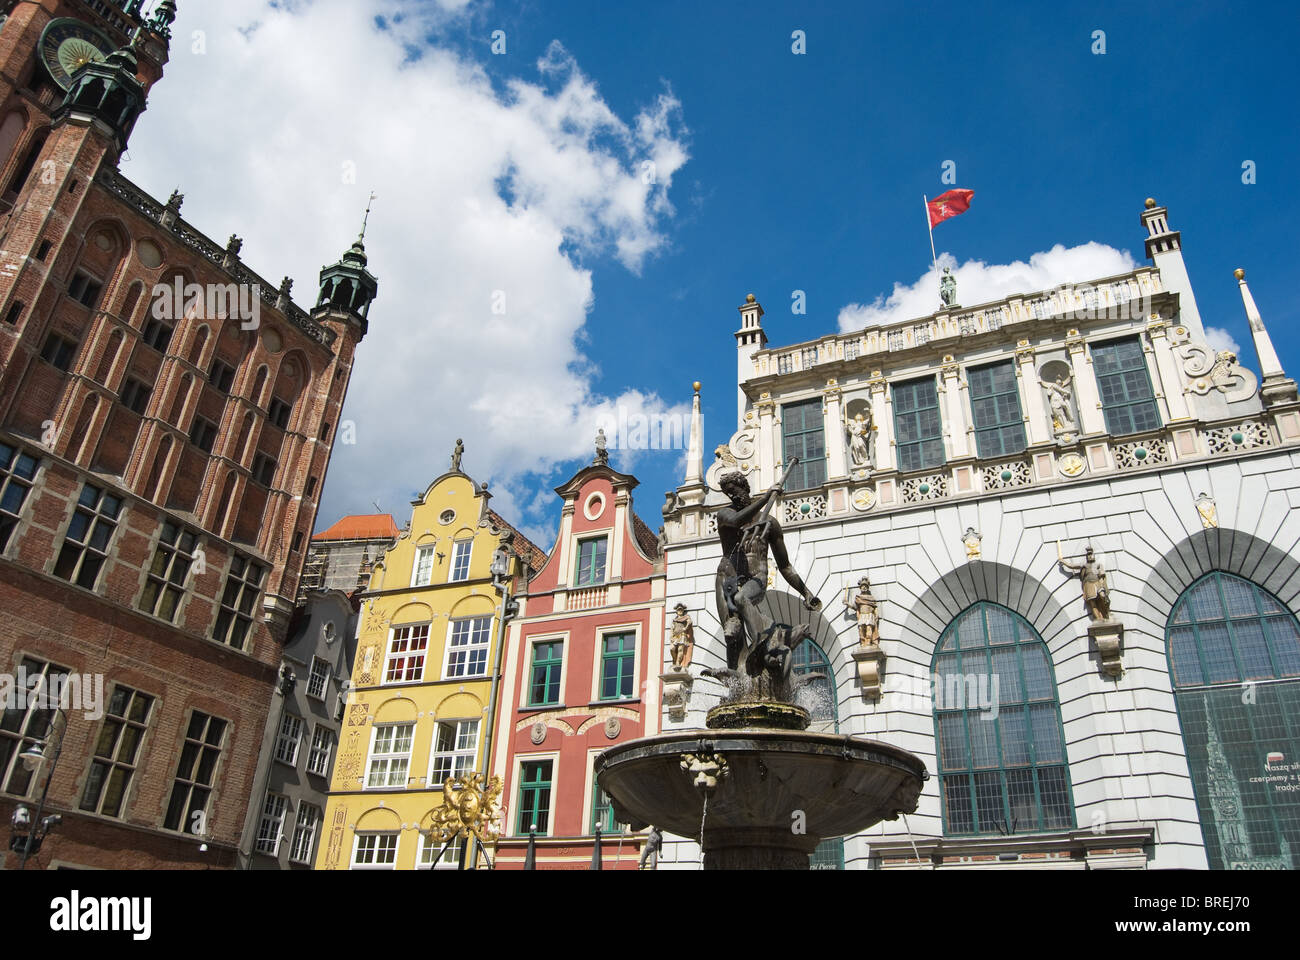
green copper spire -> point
(347, 285)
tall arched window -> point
(818, 696)
(1001, 747)
(1229, 643)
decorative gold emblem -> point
(1208, 510)
(468, 809)
(971, 540)
(864, 498)
(1071, 464)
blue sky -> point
(785, 172)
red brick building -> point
(581, 673)
(166, 421)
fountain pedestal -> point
(760, 798)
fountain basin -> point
(768, 786)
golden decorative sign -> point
(468, 809)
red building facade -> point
(161, 461)
(581, 673)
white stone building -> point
(1176, 746)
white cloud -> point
(482, 188)
(979, 282)
(1220, 339)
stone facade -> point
(1211, 483)
(301, 736)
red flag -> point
(949, 205)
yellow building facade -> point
(417, 711)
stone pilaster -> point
(1091, 420)
(956, 432)
(1171, 381)
(1031, 395)
(883, 416)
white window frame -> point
(390, 759)
(429, 551)
(429, 847)
(316, 751)
(459, 547)
(325, 681)
(566, 658)
(579, 541)
(389, 655)
(268, 842)
(485, 644)
(377, 835)
(512, 812)
(309, 830)
(462, 758)
(599, 661)
(282, 737)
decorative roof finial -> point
(366, 219)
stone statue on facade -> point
(1096, 595)
(755, 645)
(1059, 395)
(682, 646)
(859, 436)
(602, 452)
(948, 288)
(456, 454)
(671, 504)
(867, 609)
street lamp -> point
(29, 831)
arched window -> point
(818, 696)
(1229, 641)
(1001, 746)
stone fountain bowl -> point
(771, 785)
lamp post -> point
(33, 758)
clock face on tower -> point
(67, 45)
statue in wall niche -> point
(859, 434)
(948, 288)
(1059, 395)
(867, 609)
(602, 452)
(682, 646)
(1096, 595)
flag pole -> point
(929, 226)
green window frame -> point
(809, 658)
(618, 665)
(1124, 382)
(803, 435)
(995, 410)
(918, 428)
(534, 797)
(546, 673)
(590, 570)
(1227, 635)
(1008, 774)
(602, 811)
